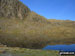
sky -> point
(53, 9)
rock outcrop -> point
(13, 9)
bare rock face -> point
(13, 9)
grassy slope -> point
(27, 52)
(36, 33)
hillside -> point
(30, 30)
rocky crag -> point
(13, 9)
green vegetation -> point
(27, 52)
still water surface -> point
(60, 47)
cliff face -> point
(13, 9)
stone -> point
(13, 9)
